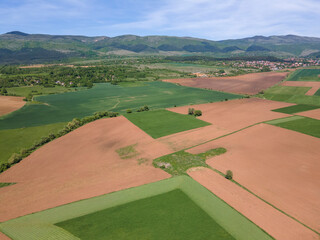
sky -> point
(209, 19)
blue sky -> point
(210, 19)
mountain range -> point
(19, 47)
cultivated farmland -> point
(107, 97)
(305, 75)
(243, 84)
(9, 104)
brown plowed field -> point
(277, 224)
(244, 84)
(9, 104)
(279, 165)
(315, 113)
(80, 165)
(4, 237)
(226, 117)
(314, 86)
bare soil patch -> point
(314, 86)
(80, 165)
(251, 83)
(279, 165)
(274, 222)
(315, 113)
(4, 237)
(9, 104)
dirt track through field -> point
(314, 86)
(9, 104)
(251, 83)
(279, 165)
(277, 224)
(315, 113)
(80, 165)
(226, 117)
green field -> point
(171, 215)
(296, 108)
(317, 93)
(291, 95)
(106, 97)
(305, 75)
(24, 91)
(13, 140)
(161, 123)
(301, 124)
(206, 216)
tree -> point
(229, 174)
(3, 91)
(129, 111)
(197, 113)
(191, 111)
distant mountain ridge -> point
(278, 46)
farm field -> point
(305, 75)
(78, 167)
(296, 108)
(107, 97)
(314, 86)
(259, 211)
(183, 197)
(13, 140)
(286, 177)
(291, 94)
(9, 104)
(159, 123)
(170, 215)
(225, 117)
(300, 124)
(251, 83)
(311, 114)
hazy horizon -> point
(208, 19)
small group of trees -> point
(144, 108)
(74, 124)
(192, 111)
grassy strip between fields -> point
(41, 225)
(179, 162)
(296, 108)
(300, 124)
(159, 123)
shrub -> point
(3, 91)
(15, 158)
(197, 113)
(191, 111)
(113, 114)
(129, 111)
(229, 174)
(146, 108)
